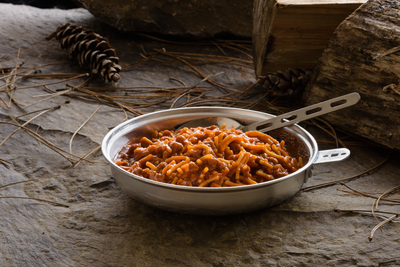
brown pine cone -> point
(90, 49)
(287, 84)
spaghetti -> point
(208, 157)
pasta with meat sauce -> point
(207, 157)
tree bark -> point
(363, 56)
(294, 33)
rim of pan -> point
(124, 128)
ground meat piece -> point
(273, 160)
(181, 139)
(161, 166)
(156, 176)
(159, 151)
(183, 182)
(176, 147)
(222, 166)
(140, 152)
(197, 153)
(193, 167)
(212, 163)
(166, 154)
(131, 149)
(141, 172)
(210, 143)
(166, 133)
(152, 149)
(213, 127)
(235, 147)
(194, 140)
(163, 151)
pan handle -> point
(326, 156)
(332, 155)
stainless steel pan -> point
(214, 201)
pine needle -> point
(44, 141)
(26, 181)
(32, 68)
(40, 114)
(46, 84)
(347, 178)
(380, 225)
(50, 97)
(38, 199)
(80, 127)
(199, 72)
(5, 163)
(84, 157)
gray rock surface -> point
(104, 227)
(177, 17)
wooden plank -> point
(363, 56)
(293, 34)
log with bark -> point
(364, 56)
(294, 33)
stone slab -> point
(184, 18)
(104, 227)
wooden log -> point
(294, 33)
(363, 56)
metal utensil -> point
(283, 120)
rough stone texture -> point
(176, 17)
(104, 227)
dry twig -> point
(375, 206)
(367, 195)
(309, 188)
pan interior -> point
(296, 144)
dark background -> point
(62, 4)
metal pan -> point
(214, 201)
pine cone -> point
(89, 49)
(288, 84)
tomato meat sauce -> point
(207, 157)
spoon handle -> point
(304, 113)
